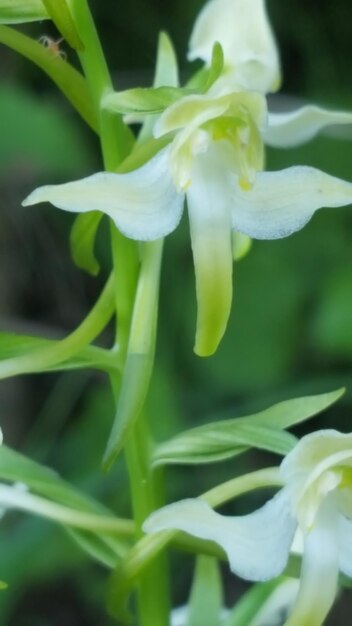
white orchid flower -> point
(244, 32)
(316, 499)
(215, 160)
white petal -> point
(210, 224)
(243, 30)
(312, 470)
(144, 203)
(257, 545)
(191, 112)
(345, 545)
(316, 453)
(319, 574)
(291, 129)
(280, 203)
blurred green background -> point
(290, 332)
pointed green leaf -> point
(141, 346)
(60, 13)
(153, 100)
(82, 240)
(135, 384)
(15, 348)
(94, 527)
(291, 412)
(142, 100)
(20, 11)
(15, 467)
(71, 82)
(101, 548)
(206, 598)
(206, 77)
(223, 440)
(215, 69)
(246, 609)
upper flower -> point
(316, 499)
(214, 158)
(243, 29)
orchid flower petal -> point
(286, 130)
(344, 534)
(243, 30)
(210, 225)
(190, 111)
(320, 568)
(311, 470)
(257, 545)
(144, 203)
(282, 202)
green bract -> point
(19, 11)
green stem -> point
(71, 82)
(116, 139)
(116, 143)
(49, 356)
(153, 589)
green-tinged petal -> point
(280, 203)
(195, 110)
(166, 70)
(144, 204)
(319, 571)
(241, 245)
(344, 535)
(312, 470)
(192, 110)
(20, 11)
(210, 225)
(257, 545)
(243, 30)
(286, 130)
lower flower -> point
(316, 500)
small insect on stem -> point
(53, 45)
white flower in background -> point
(215, 160)
(316, 499)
